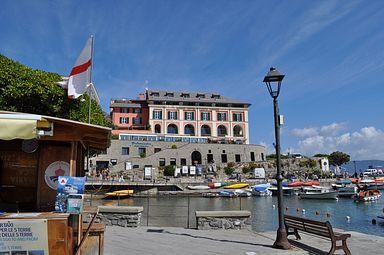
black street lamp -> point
(273, 81)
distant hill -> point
(363, 164)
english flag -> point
(80, 76)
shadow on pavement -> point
(161, 231)
(307, 248)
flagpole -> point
(89, 95)
(90, 82)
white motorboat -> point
(368, 195)
(198, 187)
(347, 191)
(287, 191)
(261, 190)
(242, 193)
(317, 192)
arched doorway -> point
(157, 129)
(172, 129)
(189, 130)
(237, 131)
(196, 158)
(205, 130)
(221, 130)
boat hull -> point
(264, 193)
(236, 186)
(198, 187)
(366, 196)
(287, 191)
(118, 194)
(324, 195)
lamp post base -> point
(282, 240)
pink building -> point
(181, 116)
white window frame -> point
(124, 120)
(189, 115)
(157, 115)
(220, 116)
(172, 115)
(238, 117)
(206, 116)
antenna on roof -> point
(145, 84)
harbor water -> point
(176, 211)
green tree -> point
(23, 89)
(338, 158)
(169, 170)
(319, 155)
(310, 163)
(229, 170)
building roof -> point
(94, 136)
(123, 103)
(194, 97)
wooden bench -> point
(324, 229)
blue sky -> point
(332, 53)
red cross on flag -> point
(80, 76)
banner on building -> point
(24, 237)
(185, 170)
(147, 172)
(192, 170)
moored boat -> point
(198, 187)
(287, 191)
(226, 193)
(347, 191)
(236, 186)
(261, 190)
(344, 182)
(318, 192)
(242, 193)
(311, 183)
(119, 194)
(295, 184)
(368, 195)
(215, 185)
(210, 194)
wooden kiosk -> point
(34, 151)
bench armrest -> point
(339, 236)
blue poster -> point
(68, 187)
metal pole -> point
(147, 209)
(90, 103)
(188, 211)
(281, 237)
(90, 81)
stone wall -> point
(123, 216)
(182, 151)
(223, 220)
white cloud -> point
(327, 130)
(366, 143)
(332, 129)
(304, 132)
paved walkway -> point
(175, 241)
